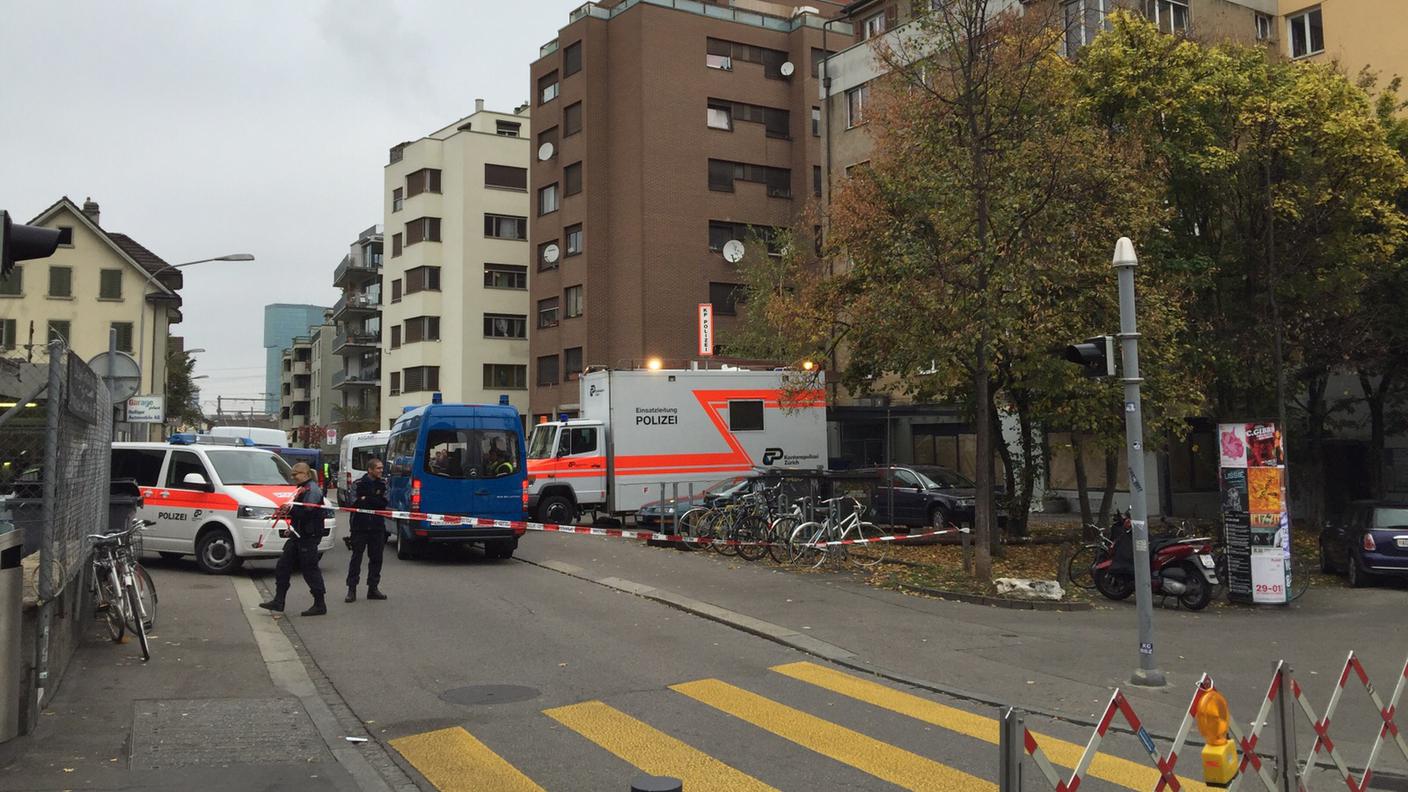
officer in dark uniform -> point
(301, 549)
(368, 532)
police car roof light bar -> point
(189, 438)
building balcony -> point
(355, 303)
(368, 378)
(293, 422)
(301, 367)
(355, 271)
(298, 395)
(355, 341)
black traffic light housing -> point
(22, 242)
(1095, 355)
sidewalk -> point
(204, 713)
(1066, 664)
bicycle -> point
(813, 543)
(123, 591)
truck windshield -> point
(249, 467)
(540, 445)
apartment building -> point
(96, 282)
(1354, 33)
(296, 383)
(357, 341)
(283, 322)
(663, 131)
(307, 396)
(455, 284)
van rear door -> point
(498, 451)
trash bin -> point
(11, 604)
(124, 499)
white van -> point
(210, 497)
(357, 449)
(258, 435)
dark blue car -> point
(1369, 540)
(457, 459)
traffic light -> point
(22, 242)
(1095, 355)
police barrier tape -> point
(1288, 765)
(620, 533)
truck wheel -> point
(557, 509)
(500, 548)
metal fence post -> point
(1287, 774)
(1010, 747)
(965, 540)
(53, 410)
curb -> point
(1000, 602)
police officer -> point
(301, 549)
(368, 532)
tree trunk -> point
(1314, 464)
(1019, 510)
(1112, 471)
(1087, 520)
(1009, 477)
(1375, 398)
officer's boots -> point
(276, 604)
(351, 594)
(320, 607)
(374, 593)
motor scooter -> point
(1179, 567)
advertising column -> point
(1255, 521)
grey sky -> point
(259, 127)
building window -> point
(572, 59)
(1083, 21)
(505, 326)
(856, 99)
(547, 200)
(572, 179)
(395, 245)
(572, 302)
(13, 286)
(423, 180)
(422, 328)
(872, 26)
(819, 55)
(7, 334)
(547, 312)
(547, 370)
(544, 254)
(816, 122)
(745, 415)
(124, 336)
(396, 337)
(507, 128)
(396, 290)
(60, 282)
(722, 62)
(395, 383)
(547, 87)
(572, 363)
(1307, 33)
(725, 297)
(505, 276)
(65, 236)
(423, 229)
(1171, 16)
(722, 175)
(816, 180)
(720, 115)
(422, 378)
(721, 54)
(505, 226)
(574, 239)
(505, 177)
(419, 279)
(505, 376)
(110, 284)
(721, 232)
(398, 199)
(548, 137)
(572, 120)
(58, 329)
(1263, 27)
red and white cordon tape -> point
(620, 533)
(1118, 703)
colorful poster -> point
(1263, 445)
(1264, 489)
(1254, 517)
(1233, 445)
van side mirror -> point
(196, 481)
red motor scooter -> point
(1182, 568)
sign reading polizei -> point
(706, 329)
(146, 409)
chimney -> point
(90, 208)
(478, 105)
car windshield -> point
(942, 478)
(540, 445)
(250, 467)
(1390, 518)
(726, 487)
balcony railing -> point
(366, 378)
(355, 302)
(363, 340)
(352, 265)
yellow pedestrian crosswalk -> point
(453, 759)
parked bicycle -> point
(122, 589)
(815, 543)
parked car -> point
(656, 513)
(923, 496)
(1370, 539)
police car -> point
(211, 497)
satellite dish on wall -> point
(733, 251)
(787, 69)
(550, 254)
(545, 152)
(126, 374)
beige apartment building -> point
(358, 339)
(454, 285)
(1356, 34)
(97, 281)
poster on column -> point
(1254, 512)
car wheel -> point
(1357, 577)
(557, 509)
(170, 556)
(215, 553)
(406, 549)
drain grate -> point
(478, 695)
(213, 732)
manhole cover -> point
(476, 695)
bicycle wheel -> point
(146, 595)
(866, 555)
(134, 607)
(110, 593)
(689, 525)
(779, 532)
(1080, 569)
(751, 529)
(1302, 568)
(726, 529)
(803, 547)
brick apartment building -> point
(661, 133)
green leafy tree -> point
(182, 398)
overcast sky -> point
(251, 127)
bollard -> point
(965, 539)
(1010, 746)
(650, 783)
(1287, 777)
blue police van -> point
(459, 459)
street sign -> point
(706, 329)
(126, 374)
(146, 409)
(332, 436)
